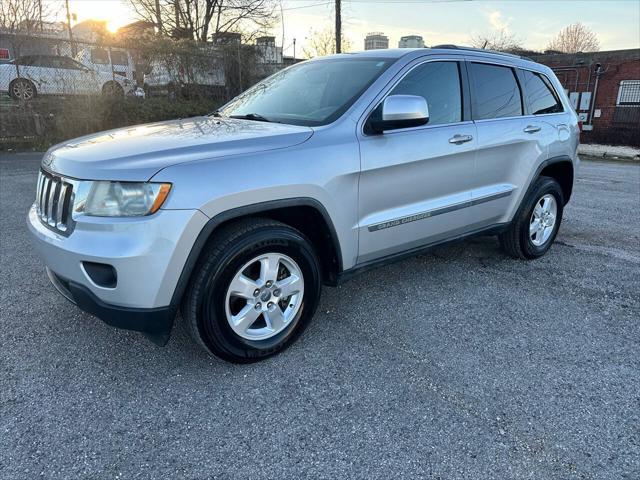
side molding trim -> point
(439, 211)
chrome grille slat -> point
(60, 207)
(43, 189)
(53, 201)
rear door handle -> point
(532, 129)
(459, 139)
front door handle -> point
(532, 129)
(460, 139)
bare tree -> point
(20, 19)
(321, 43)
(575, 38)
(205, 20)
(501, 41)
(20, 16)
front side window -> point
(541, 95)
(439, 84)
(497, 93)
(311, 93)
(68, 64)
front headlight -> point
(119, 199)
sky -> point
(535, 23)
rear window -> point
(497, 93)
(541, 96)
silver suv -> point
(322, 170)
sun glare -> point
(115, 12)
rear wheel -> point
(112, 89)
(254, 291)
(22, 89)
(536, 223)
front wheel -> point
(254, 291)
(536, 223)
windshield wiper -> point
(252, 116)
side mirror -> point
(399, 111)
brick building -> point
(604, 88)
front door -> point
(415, 183)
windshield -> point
(310, 93)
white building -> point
(376, 41)
(411, 41)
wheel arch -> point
(307, 215)
(561, 170)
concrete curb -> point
(611, 152)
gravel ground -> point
(460, 363)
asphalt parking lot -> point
(460, 363)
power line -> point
(308, 6)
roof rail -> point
(471, 49)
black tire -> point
(112, 89)
(516, 241)
(19, 90)
(203, 305)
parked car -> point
(108, 61)
(26, 77)
(326, 169)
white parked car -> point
(108, 60)
(26, 77)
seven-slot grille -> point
(53, 202)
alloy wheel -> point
(22, 90)
(264, 296)
(543, 219)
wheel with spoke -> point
(254, 292)
(543, 220)
(264, 296)
(22, 89)
(537, 221)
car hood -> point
(137, 153)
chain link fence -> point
(52, 90)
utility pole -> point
(73, 47)
(158, 17)
(338, 27)
(40, 14)
(294, 49)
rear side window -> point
(497, 93)
(99, 56)
(119, 57)
(439, 84)
(28, 61)
(540, 94)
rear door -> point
(415, 183)
(510, 142)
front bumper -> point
(155, 323)
(147, 253)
